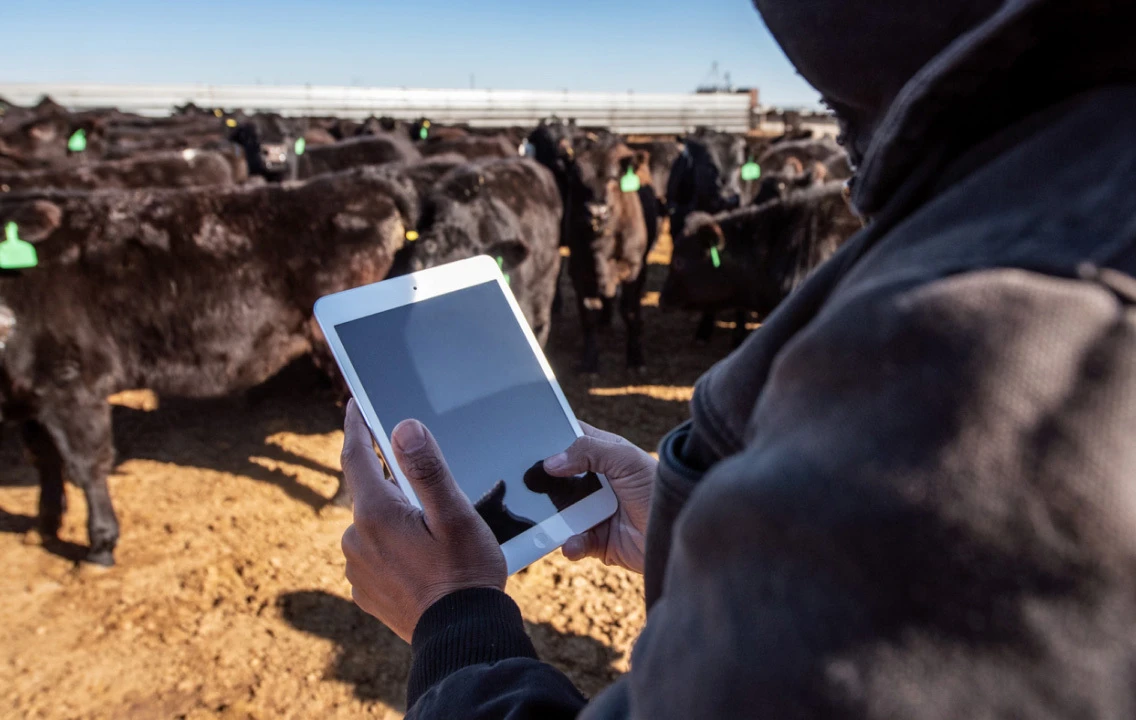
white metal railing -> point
(622, 112)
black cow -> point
(46, 137)
(606, 230)
(269, 142)
(706, 177)
(185, 168)
(806, 152)
(188, 292)
(505, 208)
(473, 147)
(356, 152)
(751, 259)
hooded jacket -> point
(912, 492)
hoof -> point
(100, 558)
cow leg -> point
(558, 296)
(631, 308)
(607, 313)
(590, 311)
(82, 434)
(705, 328)
(49, 464)
(741, 317)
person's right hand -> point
(620, 540)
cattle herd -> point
(184, 254)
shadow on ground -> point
(376, 662)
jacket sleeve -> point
(472, 659)
(925, 519)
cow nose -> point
(598, 214)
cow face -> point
(463, 220)
(269, 143)
(595, 170)
(707, 176)
(699, 272)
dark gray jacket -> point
(912, 493)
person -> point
(912, 493)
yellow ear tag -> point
(230, 123)
(217, 112)
(411, 235)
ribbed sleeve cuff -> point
(467, 627)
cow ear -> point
(36, 220)
(704, 230)
(508, 253)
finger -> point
(586, 544)
(587, 454)
(425, 468)
(362, 468)
(592, 431)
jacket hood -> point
(917, 84)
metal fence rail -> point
(622, 112)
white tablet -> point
(450, 347)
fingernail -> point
(409, 436)
(556, 462)
(573, 548)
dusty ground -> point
(229, 599)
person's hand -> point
(401, 560)
(620, 540)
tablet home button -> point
(541, 540)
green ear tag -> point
(15, 254)
(301, 145)
(423, 132)
(715, 258)
(77, 143)
(751, 171)
(501, 264)
(629, 183)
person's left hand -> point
(401, 560)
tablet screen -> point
(461, 365)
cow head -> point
(698, 272)
(461, 220)
(269, 143)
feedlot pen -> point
(229, 598)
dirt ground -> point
(229, 598)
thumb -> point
(586, 544)
(421, 460)
(588, 454)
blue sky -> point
(660, 46)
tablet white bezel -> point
(348, 305)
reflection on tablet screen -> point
(460, 364)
